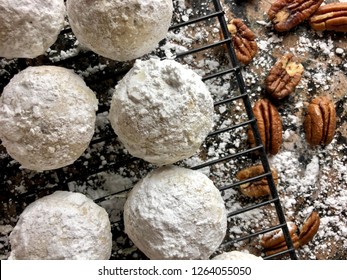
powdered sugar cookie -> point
(237, 255)
(29, 28)
(175, 213)
(63, 225)
(161, 111)
(47, 117)
(120, 30)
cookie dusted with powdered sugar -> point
(237, 255)
(161, 111)
(29, 27)
(175, 213)
(63, 225)
(47, 117)
(120, 30)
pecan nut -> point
(283, 77)
(274, 242)
(269, 126)
(320, 121)
(286, 14)
(331, 16)
(255, 188)
(243, 40)
(309, 228)
(282, 247)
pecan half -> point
(259, 187)
(286, 14)
(331, 16)
(309, 228)
(269, 126)
(282, 247)
(274, 242)
(276, 237)
(243, 40)
(320, 121)
(283, 77)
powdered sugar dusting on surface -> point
(314, 178)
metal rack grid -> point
(235, 69)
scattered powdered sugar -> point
(58, 55)
(92, 70)
(237, 255)
(114, 186)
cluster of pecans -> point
(285, 15)
(274, 242)
(284, 76)
(286, 73)
(319, 123)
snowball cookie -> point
(47, 117)
(175, 213)
(236, 255)
(120, 30)
(29, 27)
(161, 111)
(63, 225)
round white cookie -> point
(63, 225)
(29, 27)
(120, 30)
(47, 117)
(161, 111)
(237, 255)
(175, 213)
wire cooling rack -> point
(37, 185)
(236, 70)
